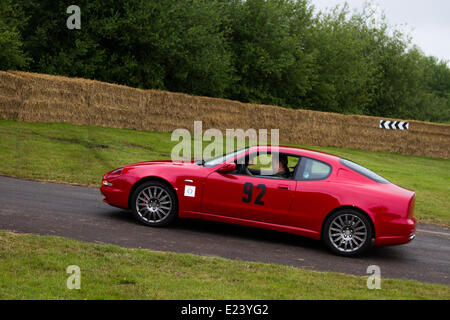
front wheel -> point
(348, 232)
(154, 204)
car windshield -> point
(364, 171)
(218, 160)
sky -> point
(427, 21)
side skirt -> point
(251, 223)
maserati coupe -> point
(308, 193)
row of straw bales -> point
(44, 98)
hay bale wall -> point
(44, 98)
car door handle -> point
(283, 186)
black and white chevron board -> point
(394, 125)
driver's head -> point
(279, 162)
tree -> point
(267, 40)
(275, 52)
(12, 55)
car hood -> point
(165, 163)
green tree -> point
(163, 44)
(262, 51)
(267, 40)
(12, 55)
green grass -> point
(82, 154)
(34, 267)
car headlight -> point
(114, 174)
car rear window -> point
(364, 171)
(313, 170)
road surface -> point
(79, 213)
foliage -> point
(11, 53)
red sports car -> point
(304, 192)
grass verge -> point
(34, 267)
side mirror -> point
(229, 167)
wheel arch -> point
(348, 207)
(148, 179)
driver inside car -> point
(279, 167)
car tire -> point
(154, 204)
(348, 232)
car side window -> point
(268, 166)
(313, 170)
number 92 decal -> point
(248, 191)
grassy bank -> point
(34, 267)
(82, 154)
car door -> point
(264, 199)
(312, 199)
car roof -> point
(297, 151)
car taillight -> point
(412, 204)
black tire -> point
(151, 210)
(343, 232)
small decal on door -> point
(189, 191)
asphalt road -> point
(79, 213)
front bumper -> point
(114, 196)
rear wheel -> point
(348, 232)
(154, 204)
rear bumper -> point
(397, 232)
